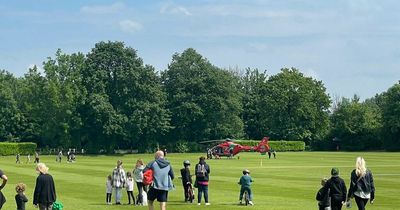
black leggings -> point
(361, 202)
(130, 194)
(140, 188)
(108, 198)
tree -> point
(117, 82)
(254, 86)
(391, 117)
(356, 124)
(10, 116)
(295, 107)
(204, 101)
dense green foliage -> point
(109, 99)
(280, 146)
(289, 182)
(10, 148)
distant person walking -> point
(337, 190)
(362, 186)
(36, 158)
(17, 158)
(45, 192)
(202, 171)
(162, 183)
(2, 197)
(119, 179)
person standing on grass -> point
(108, 189)
(129, 188)
(45, 192)
(162, 180)
(337, 190)
(36, 157)
(138, 177)
(20, 197)
(4, 178)
(362, 186)
(202, 171)
(119, 179)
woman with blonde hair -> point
(138, 177)
(45, 192)
(361, 184)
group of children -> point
(131, 178)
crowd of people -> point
(155, 180)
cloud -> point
(171, 8)
(101, 10)
(130, 26)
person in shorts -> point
(162, 181)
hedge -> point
(9, 148)
(279, 146)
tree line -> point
(108, 99)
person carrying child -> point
(186, 179)
(245, 182)
(20, 197)
(323, 198)
(129, 188)
(108, 189)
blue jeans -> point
(248, 189)
(118, 194)
(202, 189)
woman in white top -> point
(129, 188)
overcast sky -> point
(352, 46)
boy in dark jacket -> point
(337, 189)
(186, 179)
(324, 201)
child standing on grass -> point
(108, 190)
(129, 187)
(20, 197)
(245, 182)
(324, 201)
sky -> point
(352, 46)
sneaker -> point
(198, 204)
(251, 203)
(240, 202)
(207, 204)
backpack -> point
(148, 177)
(201, 171)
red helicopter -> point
(229, 148)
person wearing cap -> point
(337, 190)
(245, 182)
(186, 179)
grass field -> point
(288, 182)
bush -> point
(280, 145)
(8, 148)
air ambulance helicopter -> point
(229, 148)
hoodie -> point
(162, 174)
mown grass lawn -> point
(288, 182)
